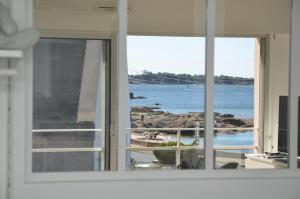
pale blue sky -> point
(234, 56)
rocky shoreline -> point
(152, 117)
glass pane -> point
(150, 160)
(69, 80)
(234, 100)
(166, 159)
(229, 159)
(251, 84)
(166, 67)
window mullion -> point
(209, 83)
(123, 103)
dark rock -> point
(160, 119)
(228, 115)
(151, 135)
(131, 96)
(234, 121)
(141, 109)
(155, 107)
(139, 97)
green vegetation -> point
(169, 78)
(168, 157)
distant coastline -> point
(169, 78)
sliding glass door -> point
(69, 105)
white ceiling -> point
(166, 17)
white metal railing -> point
(178, 148)
(62, 150)
(8, 72)
(182, 148)
(64, 130)
(11, 54)
(187, 129)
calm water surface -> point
(233, 99)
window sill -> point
(162, 175)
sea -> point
(237, 100)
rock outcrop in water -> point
(131, 96)
(151, 117)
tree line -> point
(148, 77)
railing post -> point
(178, 152)
(197, 136)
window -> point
(250, 91)
(261, 96)
(167, 76)
(166, 67)
(234, 95)
(69, 105)
(166, 84)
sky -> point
(233, 56)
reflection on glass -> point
(149, 160)
(251, 84)
(167, 159)
(229, 159)
(68, 105)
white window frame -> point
(294, 85)
(62, 35)
(123, 114)
(4, 103)
(100, 132)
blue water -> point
(221, 139)
(233, 99)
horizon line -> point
(249, 77)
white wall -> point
(185, 189)
(73, 15)
(253, 17)
(177, 17)
(90, 81)
(277, 83)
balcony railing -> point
(62, 149)
(178, 148)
